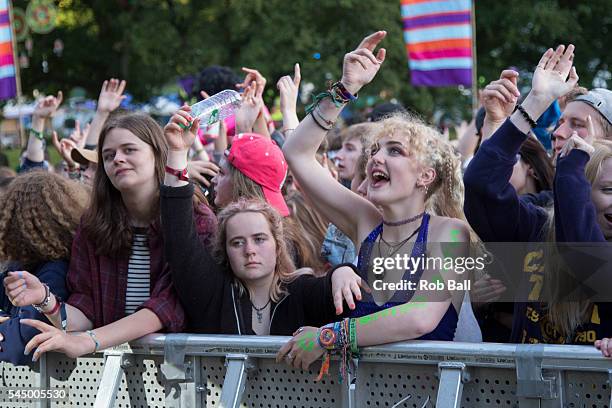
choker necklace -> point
(260, 310)
(402, 222)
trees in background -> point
(151, 43)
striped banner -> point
(438, 36)
(8, 85)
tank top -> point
(447, 325)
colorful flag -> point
(438, 36)
(8, 85)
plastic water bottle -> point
(216, 108)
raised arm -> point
(575, 214)
(111, 96)
(492, 206)
(195, 274)
(289, 89)
(335, 202)
(35, 153)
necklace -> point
(260, 310)
(393, 248)
(402, 222)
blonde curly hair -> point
(39, 214)
(445, 193)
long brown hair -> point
(312, 228)
(107, 222)
(284, 270)
(40, 213)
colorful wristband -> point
(39, 135)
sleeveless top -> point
(447, 325)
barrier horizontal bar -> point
(497, 355)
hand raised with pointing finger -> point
(361, 65)
(289, 89)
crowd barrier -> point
(183, 370)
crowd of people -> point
(242, 228)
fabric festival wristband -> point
(39, 135)
(344, 93)
(63, 315)
(55, 309)
(328, 337)
(353, 335)
(179, 174)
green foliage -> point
(151, 43)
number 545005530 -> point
(13, 394)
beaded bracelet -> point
(525, 115)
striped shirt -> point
(139, 279)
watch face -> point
(327, 338)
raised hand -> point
(24, 289)
(555, 76)
(253, 76)
(202, 171)
(64, 148)
(249, 110)
(289, 88)
(48, 105)
(111, 95)
(499, 97)
(78, 135)
(360, 66)
(181, 130)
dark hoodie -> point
(498, 214)
(211, 300)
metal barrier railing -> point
(183, 370)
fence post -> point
(115, 360)
(531, 386)
(235, 380)
(182, 376)
(450, 388)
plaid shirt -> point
(98, 283)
